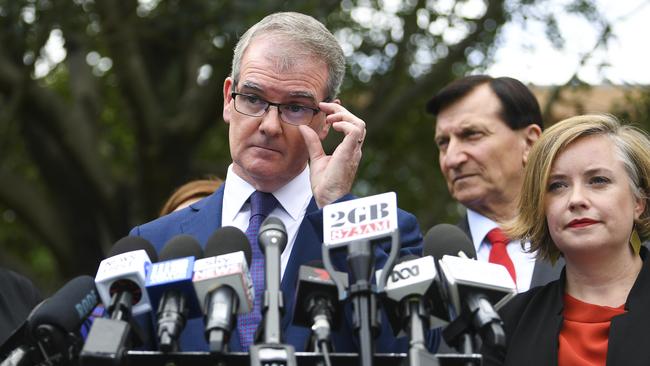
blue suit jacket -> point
(202, 218)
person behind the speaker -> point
(584, 198)
(484, 129)
(189, 193)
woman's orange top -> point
(585, 332)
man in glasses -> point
(280, 103)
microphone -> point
(472, 287)
(223, 283)
(121, 284)
(121, 277)
(66, 310)
(272, 240)
(52, 329)
(447, 239)
(412, 291)
(413, 280)
(169, 285)
(358, 225)
(316, 303)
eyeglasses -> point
(254, 106)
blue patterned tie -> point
(262, 204)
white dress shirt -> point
(293, 197)
(524, 262)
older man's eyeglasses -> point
(254, 106)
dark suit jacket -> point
(201, 219)
(533, 321)
(18, 297)
(543, 272)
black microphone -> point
(473, 288)
(66, 310)
(169, 285)
(447, 239)
(52, 329)
(222, 282)
(131, 243)
(316, 303)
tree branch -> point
(390, 106)
(130, 67)
(33, 207)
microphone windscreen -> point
(69, 307)
(181, 246)
(273, 223)
(447, 239)
(228, 239)
(131, 243)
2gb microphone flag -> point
(362, 218)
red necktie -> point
(499, 252)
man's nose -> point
(271, 123)
(454, 156)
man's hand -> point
(332, 175)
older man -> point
(280, 103)
(484, 130)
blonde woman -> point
(584, 198)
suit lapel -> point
(628, 344)
(544, 272)
(206, 218)
(463, 224)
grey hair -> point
(305, 34)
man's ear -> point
(227, 97)
(530, 135)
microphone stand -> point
(272, 351)
(19, 357)
(364, 302)
(418, 353)
(109, 338)
(361, 263)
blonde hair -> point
(633, 150)
(193, 190)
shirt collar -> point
(293, 196)
(479, 226)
